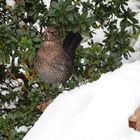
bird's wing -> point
(55, 58)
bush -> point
(20, 90)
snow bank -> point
(98, 110)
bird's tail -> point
(71, 42)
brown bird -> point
(54, 61)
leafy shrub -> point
(20, 90)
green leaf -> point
(13, 39)
(55, 5)
(70, 17)
(36, 39)
(69, 8)
(131, 49)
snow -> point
(22, 129)
(10, 3)
(36, 25)
(98, 110)
(99, 35)
(47, 3)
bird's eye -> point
(54, 33)
(49, 31)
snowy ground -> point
(98, 110)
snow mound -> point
(98, 110)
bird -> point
(54, 60)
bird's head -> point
(52, 33)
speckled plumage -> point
(51, 63)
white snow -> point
(21, 24)
(22, 129)
(36, 25)
(10, 3)
(98, 110)
(47, 3)
(99, 35)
